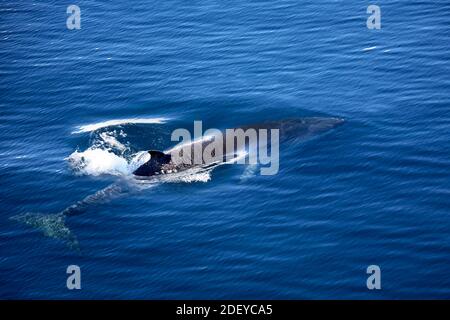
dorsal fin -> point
(159, 156)
(154, 164)
(156, 154)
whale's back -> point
(299, 127)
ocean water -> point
(76, 106)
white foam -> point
(97, 162)
(109, 139)
(187, 176)
(184, 177)
(103, 124)
(198, 177)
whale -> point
(156, 164)
(160, 162)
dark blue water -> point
(373, 191)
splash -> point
(108, 155)
(96, 162)
(110, 141)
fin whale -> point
(53, 225)
(300, 128)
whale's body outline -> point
(160, 162)
(53, 225)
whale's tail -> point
(51, 225)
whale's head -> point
(302, 128)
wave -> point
(117, 122)
(369, 48)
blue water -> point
(373, 191)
